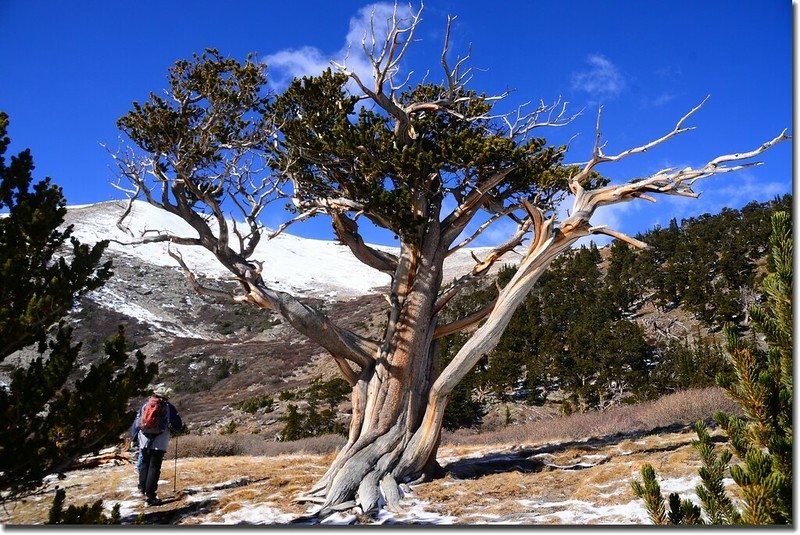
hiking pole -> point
(175, 473)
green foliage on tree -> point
(707, 262)
(590, 352)
(718, 506)
(226, 368)
(762, 384)
(80, 515)
(254, 404)
(218, 103)
(463, 409)
(319, 417)
(683, 364)
(52, 411)
(38, 285)
(332, 149)
(568, 335)
(229, 429)
(680, 511)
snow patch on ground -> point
(578, 512)
(685, 486)
(108, 298)
(257, 515)
(415, 514)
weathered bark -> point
(390, 396)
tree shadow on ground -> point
(533, 459)
(166, 514)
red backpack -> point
(154, 417)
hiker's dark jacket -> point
(160, 441)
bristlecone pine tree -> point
(762, 385)
(51, 413)
(434, 164)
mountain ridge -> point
(197, 340)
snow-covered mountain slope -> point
(194, 338)
(307, 267)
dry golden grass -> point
(214, 445)
(604, 484)
(217, 485)
(266, 480)
(685, 407)
(541, 470)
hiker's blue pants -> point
(150, 471)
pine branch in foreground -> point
(762, 384)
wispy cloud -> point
(291, 63)
(662, 99)
(602, 80)
(735, 190)
(371, 20)
(670, 72)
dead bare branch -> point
(545, 115)
(620, 236)
(482, 228)
(598, 156)
(498, 252)
(670, 181)
(192, 278)
(466, 322)
(347, 232)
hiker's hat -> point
(162, 391)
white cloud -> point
(603, 80)
(287, 64)
(374, 17)
(742, 187)
(663, 98)
(371, 20)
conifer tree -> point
(51, 413)
(84, 515)
(762, 384)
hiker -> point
(151, 429)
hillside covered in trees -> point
(588, 348)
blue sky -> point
(70, 69)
